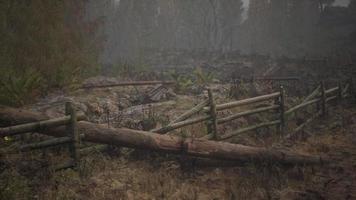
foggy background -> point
(134, 29)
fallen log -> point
(129, 83)
(164, 143)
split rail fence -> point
(320, 97)
(72, 140)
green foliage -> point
(129, 69)
(183, 82)
(47, 43)
(203, 78)
(16, 90)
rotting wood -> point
(181, 124)
(170, 144)
(247, 113)
(250, 128)
(245, 102)
(191, 112)
(132, 83)
(37, 126)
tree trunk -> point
(146, 140)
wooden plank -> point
(182, 124)
(246, 113)
(46, 144)
(37, 126)
(191, 112)
(250, 128)
(245, 102)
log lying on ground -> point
(169, 144)
(129, 83)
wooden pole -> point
(250, 128)
(282, 125)
(323, 99)
(247, 113)
(191, 112)
(135, 83)
(73, 133)
(181, 124)
(339, 92)
(245, 102)
(37, 126)
(46, 144)
(169, 144)
(212, 124)
(314, 94)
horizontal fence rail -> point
(37, 126)
(251, 128)
(247, 113)
(245, 102)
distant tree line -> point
(292, 28)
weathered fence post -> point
(323, 99)
(351, 88)
(339, 92)
(73, 133)
(282, 109)
(212, 124)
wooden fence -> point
(72, 139)
(320, 97)
(276, 103)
